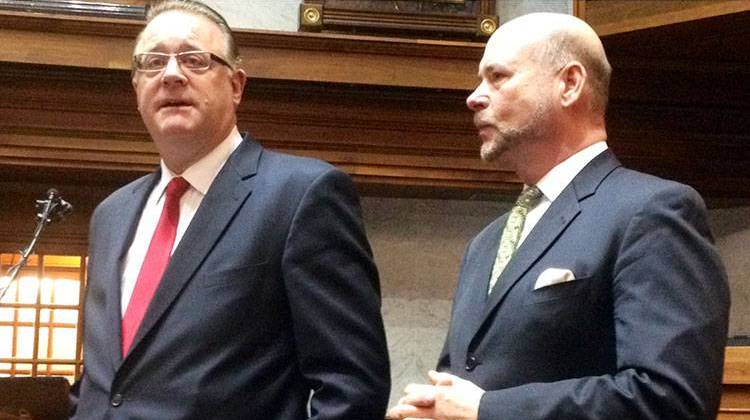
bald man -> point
(602, 295)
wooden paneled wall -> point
(618, 16)
(680, 88)
(735, 398)
(389, 111)
(78, 130)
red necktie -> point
(155, 262)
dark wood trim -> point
(332, 58)
(424, 19)
(579, 9)
(390, 111)
(77, 8)
(609, 17)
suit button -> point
(116, 400)
(471, 362)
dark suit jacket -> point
(639, 334)
(271, 294)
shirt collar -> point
(555, 181)
(201, 174)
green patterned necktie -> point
(512, 231)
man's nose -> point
(173, 72)
(478, 100)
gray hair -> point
(196, 8)
(561, 48)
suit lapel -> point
(123, 227)
(553, 224)
(478, 273)
(562, 211)
(229, 190)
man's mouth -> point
(480, 123)
(484, 131)
(174, 103)
(481, 126)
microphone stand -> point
(53, 208)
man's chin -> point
(173, 129)
(171, 133)
(491, 151)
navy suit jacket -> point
(639, 333)
(271, 294)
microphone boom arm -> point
(52, 208)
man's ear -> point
(239, 77)
(572, 80)
(134, 82)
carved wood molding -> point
(390, 111)
(116, 9)
(72, 25)
(107, 44)
(86, 120)
(458, 18)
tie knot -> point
(176, 187)
(529, 197)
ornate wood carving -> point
(416, 18)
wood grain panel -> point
(86, 119)
(616, 16)
(107, 44)
(389, 111)
(737, 365)
(735, 397)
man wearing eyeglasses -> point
(234, 282)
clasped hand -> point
(448, 398)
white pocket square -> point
(552, 276)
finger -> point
(393, 414)
(405, 412)
(398, 411)
(401, 411)
(441, 378)
(390, 416)
(418, 399)
(419, 389)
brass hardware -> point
(311, 16)
(486, 25)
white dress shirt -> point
(200, 175)
(555, 181)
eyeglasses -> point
(195, 61)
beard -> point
(506, 138)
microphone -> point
(65, 207)
(54, 207)
(62, 208)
